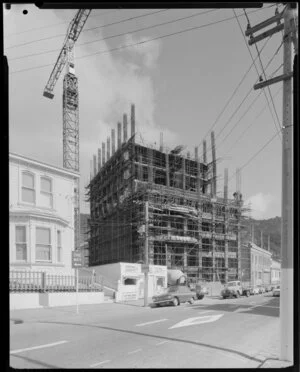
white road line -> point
(162, 342)
(154, 321)
(38, 347)
(134, 351)
(98, 364)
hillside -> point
(272, 227)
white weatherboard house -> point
(41, 216)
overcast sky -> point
(179, 84)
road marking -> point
(38, 347)
(162, 342)
(154, 321)
(197, 320)
(98, 364)
(134, 351)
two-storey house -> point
(41, 215)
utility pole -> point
(290, 17)
(146, 259)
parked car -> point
(276, 291)
(268, 288)
(254, 291)
(261, 289)
(232, 289)
(175, 295)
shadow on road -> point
(34, 361)
(270, 308)
(158, 337)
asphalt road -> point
(211, 333)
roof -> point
(37, 163)
(259, 249)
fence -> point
(40, 281)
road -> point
(211, 333)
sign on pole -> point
(77, 259)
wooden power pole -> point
(290, 20)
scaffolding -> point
(188, 228)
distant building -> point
(41, 215)
(256, 265)
(275, 272)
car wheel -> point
(224, 297)
(200, 297)
(175, 301)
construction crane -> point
(70, 107)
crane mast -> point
(70, 107)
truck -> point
(235, 289)
(177, 277)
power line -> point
(117, 35)
(60, 23)
(258, 152)
(88, 29)
(263, 70)
(251, 105)
(256, 69)
(253, 122)
(139, 43)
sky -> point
(180, 85)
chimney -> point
(103, 153)
(132, 119)
(226, 184)
(99, 159)
(204, 152)
(113, 144)
(108, 148)
(119, 135)
(213, 152)
(161, 142)
(125, 128)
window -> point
(59, 247)
(46, 192)
(129, 281)
(43, 244)
(28, 189)
(21, 245)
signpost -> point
(77, 261)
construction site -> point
(158, 206)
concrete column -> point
(132, 119)
(125, 128)
(226, 184)
(239, 250)
(113, 142)
(200, 240)
(213, 150)
(213, 240)
(185, 228)
(183, 173)
(95, 164)
(108, 148)
(204, 152)
(99, 159)
(103, 153)
(140, 168)
(226, 242)
(167, 171)
(150, 166)
(198, 185)
(119, 135)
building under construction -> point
(161, 207)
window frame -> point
(47, 193)
(26, 243)
(28, 188)
(36, 244)
(59, 248)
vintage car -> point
(232, 289)
(174, 295)
(276, 291)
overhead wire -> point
(257, 73)
(251, 124)
(118, 35)
(138, 43)
(88, 29)
(58, 24)
(263, 70)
